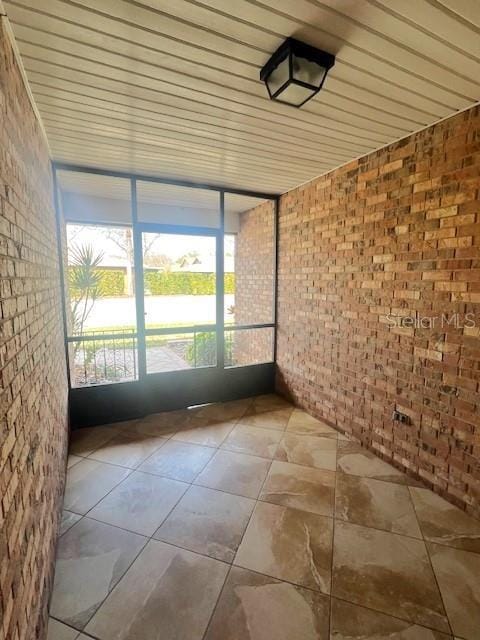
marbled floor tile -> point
(211, 435)
(67, 521)
(444, 523)
(163, 424)
(178, 460)
(304, 424)
(375, 503)
(128, 450)
(269, 402)
(71, 460)
(386, 572)
(310, 451)
(350, 622)
(256, 607)
(276, 419)
(85, 441)
(140, 503)
(224, 411)
(253, 440)
(59, 631)
(305, 488)
(168, 593)
(288, 544)
(125, 426)
(91, 558)
(88, 482)
(208, 522)
(235, 473)
(358, 461)
(458, 575)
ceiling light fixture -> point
(296, 72)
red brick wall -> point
(394, 233)
(254, 277)
(33, 407)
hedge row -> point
(112, 282)
(161, 283)
(158, 283)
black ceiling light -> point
(296, 72)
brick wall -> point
(33, 409)
(254, 263)
(393, 235)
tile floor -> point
(251, 520)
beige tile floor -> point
(251, 520)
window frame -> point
(138, 227)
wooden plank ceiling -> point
(171, 87)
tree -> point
(122, 237)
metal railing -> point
(109, 356)
(101, 357)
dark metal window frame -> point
(138, 228)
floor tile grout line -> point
(194, 483)
(130, 564)
(152, 474)
(220, 593)
(89, 457)
(281, 580)
(271, 460)
(115, 431)
(130, 471)
(218, 447)
(427, 551)
(136, 468)
(262, 500)
(334, 597)
(333, 543)
(235, 554)
(147, 540)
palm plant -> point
(84, 283)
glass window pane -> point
(179, 280)
(173, 205)
(279, 76)
(100, 279)
(230, 241)
(87, 197)
(307, 71)
(181, 351)
(248, 346)
(250, 259)
(104, 360)
(295, 94)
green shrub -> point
(164, 283)
(229, 282)
(202, 352)
(111, 282)
(161, 283)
